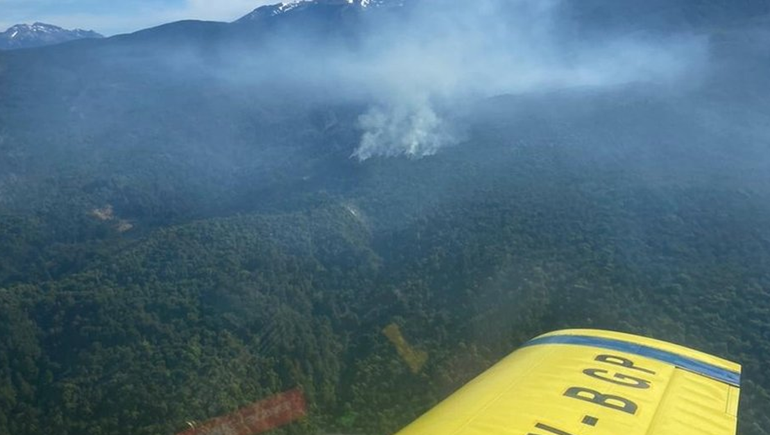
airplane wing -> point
(588, 382)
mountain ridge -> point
(287, 7)
(41, 34)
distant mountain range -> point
(293, 14)
(40, 34)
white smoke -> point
(410, 129)
(452, 51)
(412, 71)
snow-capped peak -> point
(36, 27)
(39, 34)
(285, 7)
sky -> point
(121, 16)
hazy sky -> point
(121, 16)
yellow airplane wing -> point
(588, 382)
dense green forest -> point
(139, 332)
(176, 246)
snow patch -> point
(286, 7)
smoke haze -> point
(446, 53)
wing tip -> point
(650, 342)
